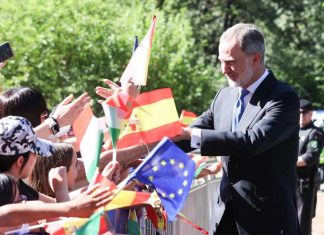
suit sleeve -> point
(277, 121)
(204, 121)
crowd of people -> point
(41, 176)
(267, 185)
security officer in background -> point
(310, 147)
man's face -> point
(236, 65)
(305, 117)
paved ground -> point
(318, 221)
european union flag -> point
(170, 172)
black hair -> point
(8, 189)
(24, 102)
(6, 162)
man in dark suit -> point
(253, 124)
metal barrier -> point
(198, 209)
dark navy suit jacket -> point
(259, 158)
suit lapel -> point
(249, 114)
(257, 101)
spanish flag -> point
(123, 198)
(187, 117)
(127, 198)
(153, 117)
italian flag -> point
(117, 110)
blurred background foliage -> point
(69, 46)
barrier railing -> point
(198, 209)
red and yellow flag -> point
(153, 117)
(123, 198)
(187, 117)
(128, 198)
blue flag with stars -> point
(170, 172)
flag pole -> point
(134, 49)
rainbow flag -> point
(154, 116)
(138, 65)
(187, 117)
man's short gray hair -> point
(248, 36)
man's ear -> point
(257, 58)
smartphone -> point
(5, 52)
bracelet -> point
(53, 125)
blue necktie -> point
(239, 109)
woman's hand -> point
(69, 110)
(112, 171)
(105, 93)
(87, 202)
(58, 182)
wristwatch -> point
(53, 125)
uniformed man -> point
(310, 146)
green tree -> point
(292, 28)
(69, 46)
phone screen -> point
(5, 52)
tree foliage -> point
(69, 46)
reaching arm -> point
(126, 156)
(66, 112)
(82, 206)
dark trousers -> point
(227, 225)
(306, 207)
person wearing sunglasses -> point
(311, 140)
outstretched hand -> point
(68, 110)
(128, 88)
(211, 170)
(87, 202)
(185, 135)
(112, 171)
